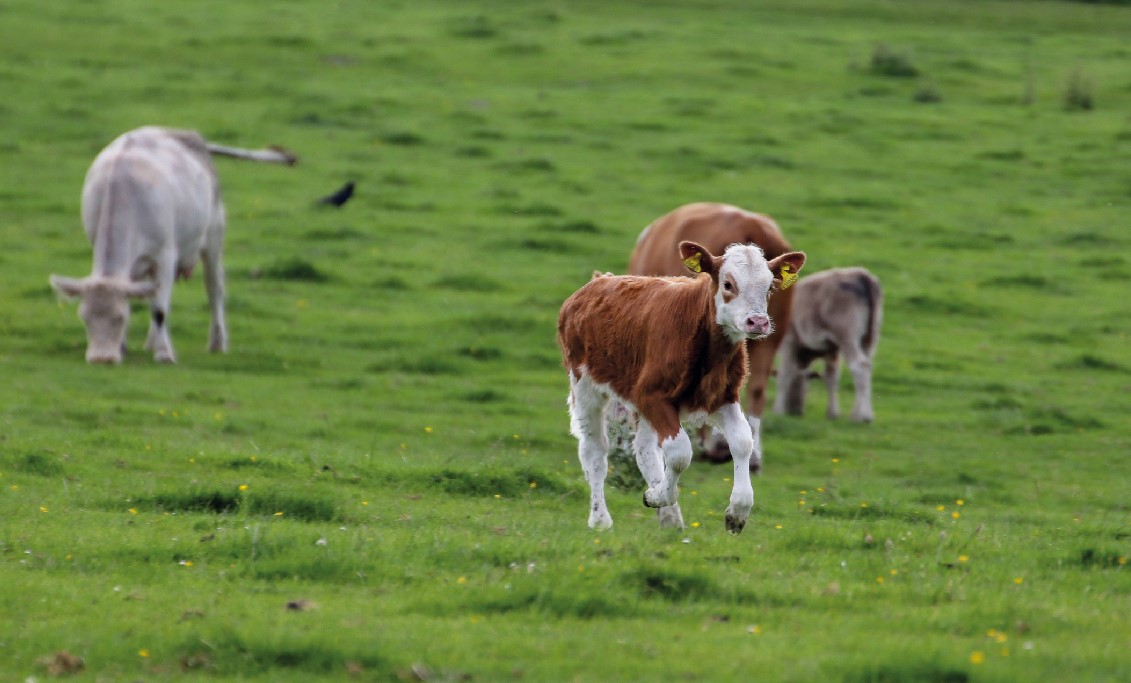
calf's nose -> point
(103, 358)
(757, 324)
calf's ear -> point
(141, 290)
(67, 287)
(698, 259)
(786, 267)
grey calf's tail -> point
(271, 155)
(874, 296)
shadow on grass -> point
(306, 507)
(507, 483)
(224, 650)
(36, 464)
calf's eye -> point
(728, 287)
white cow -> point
(836, 313)
(151, 207)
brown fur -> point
(655, 342)
(717, 226)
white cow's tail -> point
(271, 155)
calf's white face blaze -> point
(744, 289)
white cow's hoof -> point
(654, 498)
(600, 521)
(670, 517)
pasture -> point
(378, 483)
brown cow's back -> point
(716, 226)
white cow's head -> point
(105, 310)
(742, 280)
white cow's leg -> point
(860, 365)
(587, 423)
(157, 340)
(831, 376)
(738, 434)
(212, 255)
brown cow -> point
(836, 312)
(673, 350)
(716, 226)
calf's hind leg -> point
(587, 423)
(860, 365)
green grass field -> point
(378, 482)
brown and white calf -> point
(151, 208)
(836, 313)
(716, 226)
(673, 349)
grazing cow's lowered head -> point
(105, 311)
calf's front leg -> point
(737, 431)
(663, 451)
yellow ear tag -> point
(787, 278)
(692, 262)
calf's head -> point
(742, 281)
(105, 310)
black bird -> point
(340, 197)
